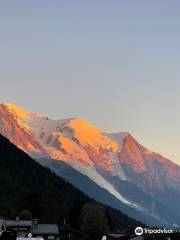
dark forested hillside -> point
(26, 185)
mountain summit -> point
(117, 163)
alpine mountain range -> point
(114, 169)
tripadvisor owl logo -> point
(139, 231)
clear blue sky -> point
(114, 63)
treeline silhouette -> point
(27, 186)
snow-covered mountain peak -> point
(20, 112)
(91, 136)
(111, 160)
(73, 140)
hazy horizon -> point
(115, 64)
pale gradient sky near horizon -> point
(114, 63)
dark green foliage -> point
(26, 185)
(74, 217)
(93, 221)
(25, 215)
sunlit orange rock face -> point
(69, 151)
(132, 154)
(89, 135)
(98, 146)
(19, 112)
(80, 142)
(13, 127)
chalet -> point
(46, 231)
(24, 227)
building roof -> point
(37, 229)
(15, 223)
(45, 229)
